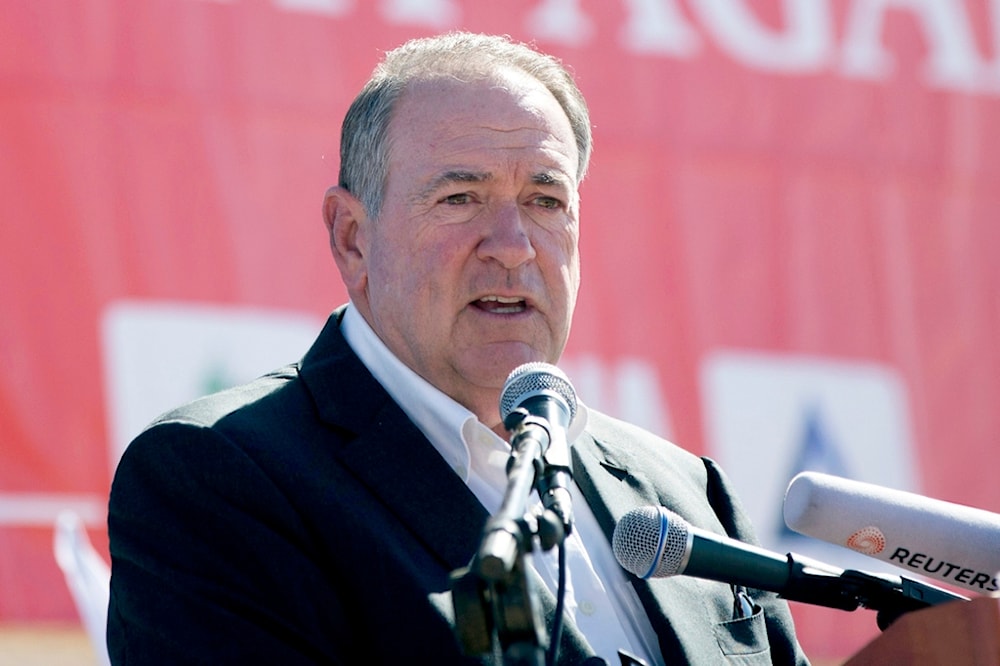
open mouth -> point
(501, 304)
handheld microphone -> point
(953, 543)
(653, 542)
(538, 402)
(543, 390)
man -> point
(315, 515)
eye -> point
(551, 203)
(457, 199)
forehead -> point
(504, 119)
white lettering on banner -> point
(952, 62)
(806, 44)
(658, 27)
(433, 13)
(628, 389)
(561, 21)
(324, 7)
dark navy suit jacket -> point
(304, 519)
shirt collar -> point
(448, 425)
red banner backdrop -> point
(789, 233)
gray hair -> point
(364, 145)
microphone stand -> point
(493, 597)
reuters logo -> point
(868, 540)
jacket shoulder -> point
(210, 410)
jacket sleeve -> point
(197, 530)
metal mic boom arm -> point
(493, 597)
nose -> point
(505, 239)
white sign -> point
(771, 416)
(158, 356)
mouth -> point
(501, 305)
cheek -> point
(419, 272)
(390, 277)
(563, 257)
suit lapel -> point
(613, 483)
(398, 464)
(610, 480)
(388, 453)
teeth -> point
(506, 305)
(501, 299)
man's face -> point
(473, 266)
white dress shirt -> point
(599, 598)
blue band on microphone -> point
(664, 526)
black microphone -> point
(653, 542)
(538, 402)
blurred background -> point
(789, 241)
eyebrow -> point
(448, 177)
(546, 178)
(463, 176)
(458, 176)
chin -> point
(491, 366)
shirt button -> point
(587, 608)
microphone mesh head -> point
(532, 379)
(651, 542)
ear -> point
(346, 222)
